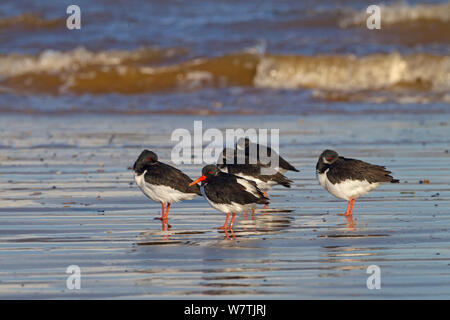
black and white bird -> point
(162, 182)
(229, 193)
(264, 179)
(349, 179)
(255, 150)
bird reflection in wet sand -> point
(343, 259)
(269, 224)
(165, 236)
(233, 236)
(350, 223)
(276, 223)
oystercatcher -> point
(349, 179)
(250, 148)
(162, 182)
(264, 180)
(229, 193)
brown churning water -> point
(218, 56)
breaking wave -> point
(30, 20)
(410, 78)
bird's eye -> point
(150, 159)
(210, 172)
(330, 158)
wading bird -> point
(229, 193)
(162, 182)
(349, 179)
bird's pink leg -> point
(227, 237)
(163, 208)
(225, 225)
(166, 216)
(350, 204)
(163, 220)
(350, 224)
(232, 220)
(348, 207)
(351, 207)
(267, 196)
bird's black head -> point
(329, 156)
(146, 158)
(208, 173)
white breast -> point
(322, 177)
(350, 189)
(161, 193)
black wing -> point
(224, 188)
(286, 165)
(163, 174)
(352, 169)
(281, 180)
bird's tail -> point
(282, 180)
(287, 166)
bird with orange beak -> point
(228, 193)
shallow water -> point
(77, 107)
(67, 198)
(236, 57)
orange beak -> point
(197, 181)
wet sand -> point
(67, 198)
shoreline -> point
(68, 198)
